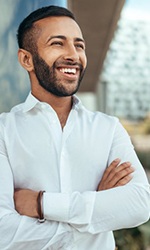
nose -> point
(71, 54)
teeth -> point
(68, 70)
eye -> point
(80, 46)
(57, 43)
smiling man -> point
(69, 177)
(58, 72)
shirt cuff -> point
(56, 206)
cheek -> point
(84, 61)
(50, 57)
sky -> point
(137, 9)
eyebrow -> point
(77, 39)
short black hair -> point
(27, 33)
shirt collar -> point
(32, 101)
(76, 103)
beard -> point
(48, 79)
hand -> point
(26, 202)
(116, 175)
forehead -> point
(53, 26)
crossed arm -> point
(115, 175)
(92, 212)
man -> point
(60, 163)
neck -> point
(61, 105)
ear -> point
(25, 59)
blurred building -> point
(126, 72)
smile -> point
(68, 70)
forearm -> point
(21, 232)
(122, 207)
(101, 211)
(96, 212)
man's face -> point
(60, 62)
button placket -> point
(65, 167)
(65, 172)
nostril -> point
(69, 59)
(72, 55)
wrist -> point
(40, 206)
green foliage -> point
(129, 239)
(145, 231)
(144, 157)
(133, 239)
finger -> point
(122, 176)
(120, 171)
(120, 180)
(104, 183)
(123, 165)
(124, 181)
(112, 166)
(119, 175)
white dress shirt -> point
(35, 153)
